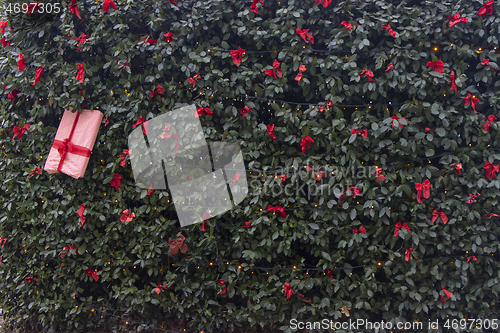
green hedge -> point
(367, 273)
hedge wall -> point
(357, 75)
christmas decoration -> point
(277, 209)
(177, 245)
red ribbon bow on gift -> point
(325, 3)
(277, 209)
(472, 198)
(453, 84)
(38, 73)
(425, 187)
(254, 7)
(306, 142)
(487, 7)
(361, 230)
(369, 74)
(115, 182)
(305, 34)
(456, 19)
(388, 27)
(244, 111)
(270, 130)
(37, 170)
(73, 8)
(80, 213)
(458, 168)
(92, 273)
(487, 125)
(201, 110)
(288, 290)
(126, 217)
(123, 157)
(274, 70)
(282, 177)
(380, 176)
(489, 216)
(237, 55)
(437, 66)
(436, 214)
(302, 69)
(491, 169)
(407, 254)
(66, 249)
(471, 257)
(473, 101)
(247, 225)
(177, 245)
(30, 279)
(18, 131)
(144, 123)
(397, 118)
(223, 285)
(400, 226)
(363, 132)
(345, 24)
(159, 288)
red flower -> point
(437, 66)
(107, 4)
(488, 6)
(39, 72)
(115, 182)
(20, 63)
(254, 7)
(325, 2)
(245, 110)
(485, 62)
(199, 112)
(81, 73)
(3, 24)
(369, 74)
(237, 55)
(4, 42)
(456, 19)
(306, 142)
(168, 37)
(73, 8)
(305, 35)
(270, 130)
(345, 24)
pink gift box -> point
(74, 141)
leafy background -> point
(369, 273)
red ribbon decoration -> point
(390, 67)
(223, 285)
(115, 182)
(302, 69)
(92, 273)
(107, 4)
(436, 214)
(236, 177)
(20, 63)
(66, 249)
(245, 110)
(106, 121)
(489, 216)
(408, 253)
(361, 230)
(38, 73)
(254, 7)
(448, 294)
(282, 177)
(471, 257)
(277, 209)
(80, 213)
(168, 37)
(205, 218)
(345, 24)
(427, 129)
(3, 24)
(18, 131)
(442, 299)
(453, 84)
(437, 66)
(488, 6)
(237, 55)
(274, 70)
(192, 81)
(425, 186)
(83, 37)
(491, 169)
(4, 42)
(380, 176)
(363, 132)
(151, 189)
(247, 225)
(399, 226)
(147, 40)
(3, 240)
(388, 27)
(73, 8)
(160, 288)
(144, 123)
(81, 73)
(30, 279)
(300, 296)
(123, 157)
(305, 35)
(369, 74)
(288, 290)
(485, 62)
(325, 3)
(355, 192)
(177, 245)
(319, 175)
(456, 19)
(306, 143)
(487, 125)
(37, 170)
(66, 146)
(458, 168)
(158, 89)
(199, 112)
(12, 95)
(472, 198)
(473, 101)
(329, 273)
(175, 3)
(126, 217)
(397, 118)
(270, 130)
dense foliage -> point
(367, 273)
